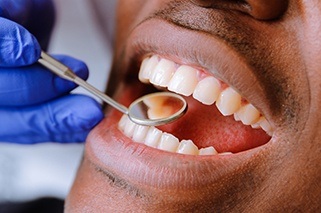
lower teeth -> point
(153, 137)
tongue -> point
(206, 126)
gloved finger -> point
(37, 16)
(67, 119)
(35, 84)
(17, 46)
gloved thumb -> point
(18, 47)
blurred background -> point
(28, 172)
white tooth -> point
(225, 153)
(236, 117)
(153, 136)
(163, 73)
(184, 80)
(122, 122)
(265, 125)
(208, 151)
(248, 114)
(168, 142)
(187, 147)
(207, 90)
(255, 126)
(129, 128)
(146, 68)
(140, 133)
(228, 102)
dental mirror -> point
(151, 110)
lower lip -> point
(138, 164)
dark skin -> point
(269, 51)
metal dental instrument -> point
(151, 110)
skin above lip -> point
(282, 175)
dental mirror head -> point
(150, 110)
(157, 109)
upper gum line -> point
(187, 80)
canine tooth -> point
(122, 122)
(153, 136)
(207, 90)
(129, 128)
(187, 147)
(208, 151)
(140, 133)
(228, 102)
(168, 142)
(146, 68)
(163, 73)
(184, 80)
(248, 114)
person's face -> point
(265, 53)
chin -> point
(246, 144)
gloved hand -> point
(35, 105)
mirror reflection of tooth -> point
(154, 101)
(187, 147)
(159, 112)
(208, 151)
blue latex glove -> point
(35, 105)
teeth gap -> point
(188, 81)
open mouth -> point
(229, 123)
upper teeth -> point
(186, 80)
